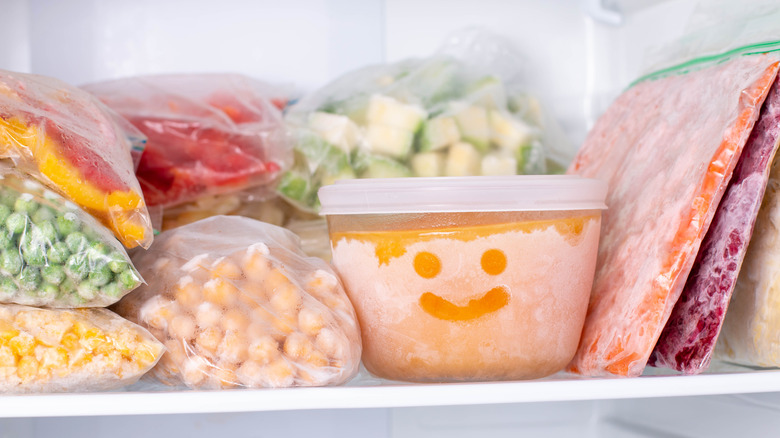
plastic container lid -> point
(462, 194)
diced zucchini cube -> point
(383, 167)
(462, 160)
(386, 140)
(499, 164)
(384, 110)
(438, 133)
(473, 124)
(428, 164)
(509, 133)
(335, 129)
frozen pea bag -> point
(57, 350)
(238, 304)
(54, 254)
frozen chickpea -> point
(235, 320)
(157, 312)
(226, 268)
(330, 343)
(297, 346)
(275, 279)
(187, 292)
(250, 373)
(256, 265)
(257, 329)
(278, 374)
(322, 283)
(233, 348)
(194, 370)
(182, 327)
(220, 292)
(263, 349)
(224, 376)
(316, 359)
(286, 299)
(281, 327)
(310, 321)
(208, 339)
(207, 315)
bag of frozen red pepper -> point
(208, 134)
(74, 144)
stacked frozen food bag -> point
(681, 149)
(69, 200)
(462, 111)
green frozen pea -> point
(99, 247)
(76, 300)
(48, 231)
(7, 286)
(100, 276)
(25, 203)
(113, 290)
(77, 242)
(34, 254)
(48, 291)
(67, 223)
(53, 274)
(68, 286)
(128, 279)
(6, 241)
(4, 212)
(117, 263)
(29, 278)
(58, 253)
(16, 223)
(87, 290)
(10, 262)
(44, 214)
(77, 267)
(8, 197)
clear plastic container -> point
(463, 279)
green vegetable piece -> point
(294, 185)
(76, 300)
(44, 214)
(99, 247)
(100, 276)
(113, 290)
(129, 279)
(48, 291)
(48, 231)
(87, 290)
(58, 253)
(29, 279)
(4, 212)
(117, 263)
(7, 286)
(67, 287)
(10, 262)
(53, 274)
(16, 223)
(6, 241)
(68, 223)
(77, 266)
(34, 254)
(77, 242)
(8, 197)
(26, 204)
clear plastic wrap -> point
(462, 111)
(74, 144)
(54, 254)
(56, 350)
(237, 304)
(208, 134)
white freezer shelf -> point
(385, 396)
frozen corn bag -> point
(688, 340)
(750, 331)
(74, 144)
(460, 112)
(54, 350)
(237, 304)
(208, 134)
(54, 254)
(666, 147)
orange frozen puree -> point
(481, 302)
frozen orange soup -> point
(474, 295)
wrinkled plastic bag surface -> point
(70, 141)
(57, 350)
(666, 147)
(237, 304)
(462, 111)
(208, 134)
(54, 254)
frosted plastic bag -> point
(237, 303)
(54, 254)
(462, 111)
(667, 147)
(208, 134)
(54, 350)
(70, 141)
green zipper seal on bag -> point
(710, 60)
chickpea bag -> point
(54, 254)
(238, 304)
(67, 139)
(55, 350)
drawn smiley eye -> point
(493, 261)
(427, 265)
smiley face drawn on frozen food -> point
(493, 262)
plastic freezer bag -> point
(237, 304)
(462, 111)
(75, 145)
(207, 134)
(54, 254)
(688, 340)
(54, 350)
(666, 147)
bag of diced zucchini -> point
(54, 254)
(458, 112)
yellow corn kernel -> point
(143, 357)
(227, 269)
(22, 345)
(70, 341)
(7, 357)
(79, 329)
(7, 331)
(28, 368)
(220, 292)
(263, 350)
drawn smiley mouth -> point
(441, 308)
